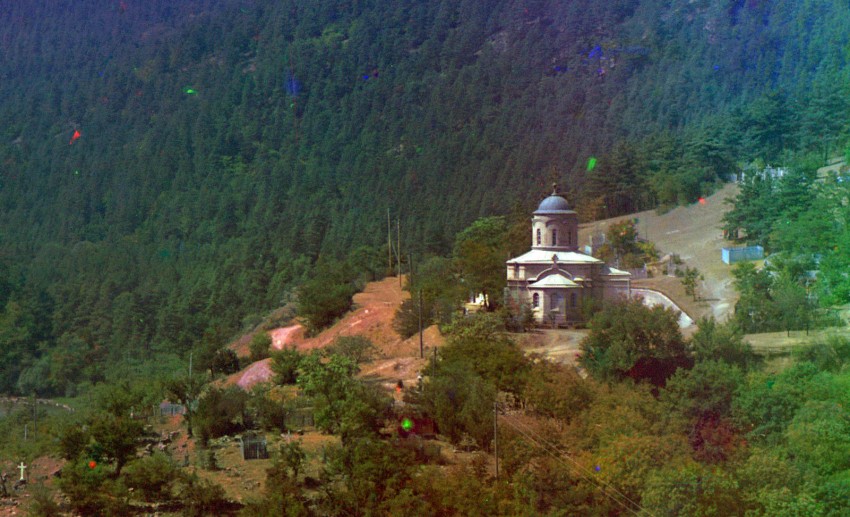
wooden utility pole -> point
(421, 341)
(389, 244)
(398, 247)
(496, 437)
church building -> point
(554, 278)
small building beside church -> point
(555, 279)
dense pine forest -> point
(171, 170)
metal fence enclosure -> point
(169, 409)
(253, 447)
(742, 254)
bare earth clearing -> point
(372, 317)
(692, 232)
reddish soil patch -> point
(254, 373)
(240, 346)
(284, 336)
(372, 317)
(38, 472)
(431, 338)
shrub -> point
(225, 361)
(73, 440)
(321, 301)
(42, 503)
(201, 497)
(285, 364)
(259, 346)
(90, 491)
(152, 476)
(357, 348)
(221, 412)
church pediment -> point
(553, 280)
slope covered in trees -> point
(226, 147)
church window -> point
(554, 236)
(535, 300)
(538, 236)
(556, 301)
(573, 299)
(516, 271)
(569, 238)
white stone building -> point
(554, 278)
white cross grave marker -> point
(22, 467)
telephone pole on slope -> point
(421, 341)
(496, 437)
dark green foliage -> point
(830, 354)
(201, 497)
(703, 395)
(556, 391)
(90, 491)
(437, 281)
(260, 345)
(629, 339)
(329, 384)
(267, 413)
(479, 254)
(73, 440)
(325, 298)
(224, 362)
(186, 390)
(364, 476)
(477, 362)
(285, 364)
(341, 403)
(407, 318)
(721, 342)
(152, 476)
(622, 246)
(767, 404)
(357, 348)
(42, 503)
(221, 412)
(754, 311)
(283, 492)
(690, 276)
(493, 357)
(116, 437)
(213, 358)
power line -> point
(578, 465)
(546, 448)
(586, 474)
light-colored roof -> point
(615, 272)
(553, 280)
(545, 257)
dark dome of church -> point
(554, 203)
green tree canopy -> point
(629, 339)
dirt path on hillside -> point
(693, 232)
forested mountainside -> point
(169, 169)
